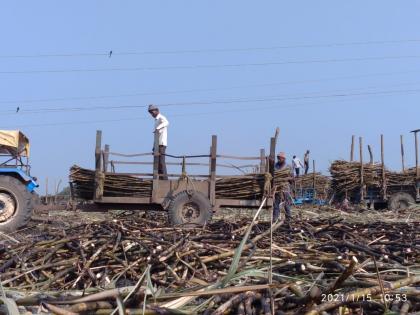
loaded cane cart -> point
(188, 199)
(17, 186)
(373, 184)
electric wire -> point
(112, 52)
(209, 66)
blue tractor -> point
(17, 186)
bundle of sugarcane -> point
(143, 266)
(282, 178)
(240, 187)
(251, 186)
(114, 184)
(346, 177)
(401, 178)
(248, 187)
(319, 182)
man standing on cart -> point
(161, 138)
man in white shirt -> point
(161, 138)
(297, 165)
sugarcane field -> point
(208, 157)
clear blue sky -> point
(365, 80)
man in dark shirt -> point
(285, 194)
(306, 161)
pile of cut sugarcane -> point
(143, 266)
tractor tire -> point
(16, 204)
(189, 209)
(400, 201)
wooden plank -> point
(237, 203)
(130, 200)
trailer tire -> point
(400, 201)
(16, 204)
(185, 208)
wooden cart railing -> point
(105, 164)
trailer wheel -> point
(400, 201)
(16, 204)
(187, 208)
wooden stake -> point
(383, 169)
(402, 153)
(213, 157)
(417, 154)
(362, 192)
(106, 158)
(314, 177)
(370, 154)
(417, 163)
(262, 161)
(46, 190)
(352, 149)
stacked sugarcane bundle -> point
(240, 187)
(115, 185)
(248, 187)
(319, 182)
(401, 178)
(251, 186)
(282, 178)
(346, 179)
(143, 266)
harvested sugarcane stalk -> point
(85, 267)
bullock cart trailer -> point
(188, 199)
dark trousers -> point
(162, 162)
(297, 171)
(306, 167)
(277, 204)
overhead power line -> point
(75, 98)
(220, 101)
(112, 52)
(259, 108)
(209, 66)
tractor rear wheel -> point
(15, 204)
(186, 208)
(400, 201)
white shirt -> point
(161, 128)
(296, 163)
